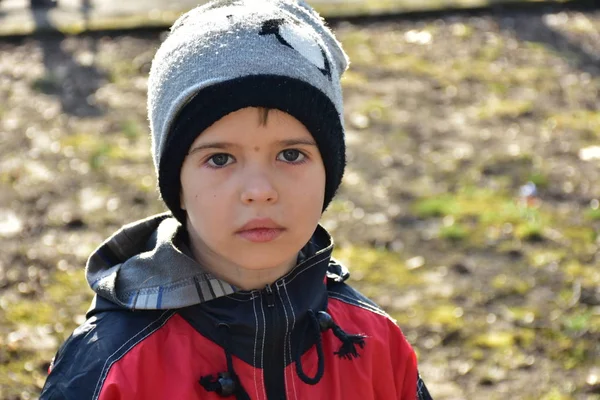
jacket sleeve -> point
(422, 392)
(404, 364)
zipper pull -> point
(270, 298)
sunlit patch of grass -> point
(579, 235)
(376, 266)
(100, 149)
(358, 45)
(576, 271)
(578, 322)
(121, 71)
(445, 316)
(353, 79)
(531, 231)
(338, 206)
(494, 340)
(556, 394)
(578, 120)
(473, 212)
(21, 374)
(504, 108)
(413, 64)
(510, 285)
(30, 313)
(546, 256)
(67, 295)
(577, 354)
(23, 360)
(375, 108)
(539, 179)
(438, 206)
(90, 143)
(491, 51)
(377, 7)
(486, 208)
(131, 129)
(454, 232)
(525, 337)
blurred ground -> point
(448, 119)
(76, 16)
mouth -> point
(260, 230)
(261, 235)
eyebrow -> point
(227, 145)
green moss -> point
(555, 394)
(30, 312)
(97, 148)
(539, 179)
(577, 355)
(69, 287)
(495, 340)
(580, 233)
(578, 120)
(574, 271)
(497, 108)
(525, 337)
(353, 79)
(376, 109)
(577, 323)
(543, 257)
(510, 285)
(454, 232)
(338, 206)
(131, 129)
(22, 373)
(530, 231)
(446, 316)
(67, 295)
(376, 266)
(491, 52)
(438, 206)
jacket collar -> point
(134, 267)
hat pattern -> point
(292, 36)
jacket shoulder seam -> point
(361, 304)
(127, 346)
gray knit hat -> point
(230, 54)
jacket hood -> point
(148, 265)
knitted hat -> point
(230, 54)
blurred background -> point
(470, 208)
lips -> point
(260, 223)
(260, 230)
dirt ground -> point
(469, 210)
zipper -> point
(270, 297)
(274, 367)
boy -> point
(233, 293)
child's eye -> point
(291, 156)
(219, 160)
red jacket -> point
(307, 336)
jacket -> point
(161, 327)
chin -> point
(262, 263)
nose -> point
(258, 188)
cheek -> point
(308, 189)
(209, 216)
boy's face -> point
(239, 170)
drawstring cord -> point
(317, 327)
(321, 322)
(228, 383)
(225, 384)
